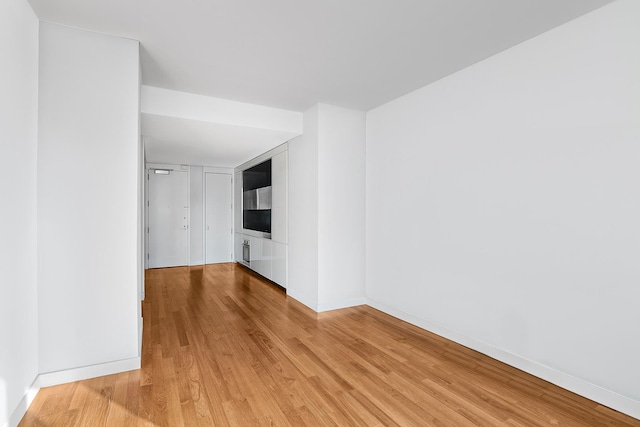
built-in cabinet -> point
(279, 263)
(261, 256)
(279, 197)
(268, 257)
(237, 202)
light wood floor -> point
(222, 347)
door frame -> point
(182, 168)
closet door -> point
(218, 218)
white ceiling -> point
(292, 54)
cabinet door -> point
(267, 255)
(279, 197)
(261, 256)
(255, 253)
(237, 203)
(279, 264)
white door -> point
(218, 218)
(168, 218)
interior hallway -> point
(223, 347)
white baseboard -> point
(23, 405)
(341, 304)
(86, 372)
(140, 334)
(319, 308)
(313, 305)
(583, 388)
(66, 376)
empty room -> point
(341, 213)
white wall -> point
(341, 207)
(196, 209)
(327, 209)
(88, 148)
(303, 213)
(503, 205)
(18, 144)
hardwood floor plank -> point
(223, 347)
(239, 413)
(117, 413)
(145, 408)
(381, 415)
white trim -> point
(302, 299)
(142, 234)
(203, 195)
(140, 331)
(67, 376)
(322, 307)
(86, 372)
(23, 405)
(336, 305)
(146, 218)
(576, 385)
(212, 169)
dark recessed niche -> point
(257, 177)
(256, 205)
(258, 220)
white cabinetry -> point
(279, 264)
(237, 204)
(261, 256)
(268, 256)
(279, 197)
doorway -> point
(168, 217)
